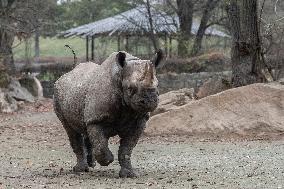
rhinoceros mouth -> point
(144, 108)
(145, 104)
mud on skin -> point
(95, 102)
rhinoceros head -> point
(139, 82)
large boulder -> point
(281, 81)
(253, 110)
(213, 86)
(19, 93)
(33, 85)
(7, 103)
(173, 100)
(276, 63)
(4, 77)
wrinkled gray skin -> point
(95, 102)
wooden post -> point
(166, 45)
(136, 47)
(126, 43)
(37, 35)
(171, 48)
(93, 47)
(225, 42)
(118, 43)
(87, 48)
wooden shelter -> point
(134, 22)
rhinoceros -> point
(95, 102)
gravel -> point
(35, 153)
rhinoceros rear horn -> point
(158, 57)
(120, 58)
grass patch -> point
(50, 47)
(54, 47)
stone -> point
(281, 81)
(19, 93)
(213, 86)
(4, 77)
(33, 85)
(7, 103)
(173, 100)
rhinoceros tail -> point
(75, 57)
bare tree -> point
(248, 64)
(45, 22)
(185, 15)
(151, 14)
(150, 18)
(272, 30)
(7, 34)
(17, 19)
(208, 8)
(185, 10)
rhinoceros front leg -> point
(89, 147)
(128, 141)
(99, 142)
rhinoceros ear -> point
(120, 58)
(158, 57)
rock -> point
(33, 85)
(250, 111)
(7, 103)
(173, 99)
(213, 86)
(4, 77)
(281, 81)
(19, 93)
(48, 88)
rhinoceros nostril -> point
(151, 90)
(144, 101)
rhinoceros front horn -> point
(149, 74)
(158, 57)
(120, 58)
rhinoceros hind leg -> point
(75, 138)
(77, 143)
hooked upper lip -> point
(152, 101)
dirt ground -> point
(35, 153)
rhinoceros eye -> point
(131, 90)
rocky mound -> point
(256, 110)
(173, 100)
(16, 93)
(213, 86)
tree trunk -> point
(185, 14)
(152, 34)
(37, 50)
(247, 62)
(28, 50)
(210, 5)
(7, 66)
